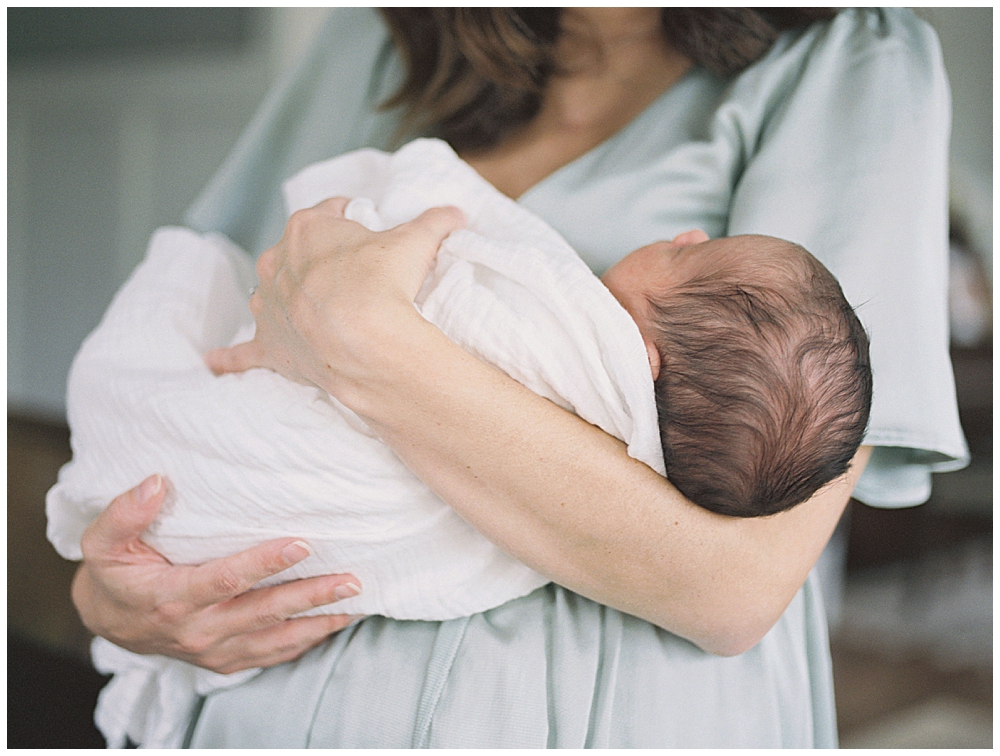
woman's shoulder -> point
(857, 44)
(864, 69)
(859, 40)
(878, 31)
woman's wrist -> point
(377, 357)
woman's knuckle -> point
(226, 582)
(269, 614)
(300, 219)
(171, 612)
(195, 643)
(322, 594)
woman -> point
(618, 126)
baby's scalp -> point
(764, 387)
(749, 259)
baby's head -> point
(761, 369)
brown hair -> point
(475, 74)
(765, 383)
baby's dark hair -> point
(765, 383)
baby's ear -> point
(694, 236)
(654, 357)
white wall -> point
(293, 29)
(100, 153)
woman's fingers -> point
(235, 359)
(222, 579)
(325, 285)
(125, 518)
(431, 227)
(265, 607)
(257, 629)
(416, 245)
(132, 595)
(334, 206)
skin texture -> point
(334, 309)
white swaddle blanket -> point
(254, 456)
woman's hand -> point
(206, 615)
(323, 288)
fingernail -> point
(346, 591)
(150, 487)
(296, 552)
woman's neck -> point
(611, 64)
(591, 38)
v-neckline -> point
(625, 130)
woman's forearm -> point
(566, 499)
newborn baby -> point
(763, 383)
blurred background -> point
(118, 117)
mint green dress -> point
(836, 139)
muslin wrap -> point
(254, 456)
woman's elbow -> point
(731, 644)
(728, 633)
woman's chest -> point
(625, 195)
(673, 168)
(530, 158)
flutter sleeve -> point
(849, 158)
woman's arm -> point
(207, 615)
(334, 308)
(565, 498)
